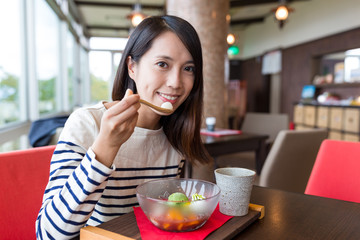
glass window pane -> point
(103, 43)
(117, 58)
(100, 73)
(70, 45)
(352, 64)
(16, 144)
(10, 146)
(47, 26)
(84, 86)
(10, 61)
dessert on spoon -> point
(166, 107)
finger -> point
(120, 106)
(127, 114)
(128, 92)
(122, 112)
(126, 118)
(108, 105)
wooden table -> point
(299, 216)
(218, 146)
(287, 216)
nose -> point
(174, 79)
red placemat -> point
(149, 232)
(220, 132)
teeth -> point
(168, 97)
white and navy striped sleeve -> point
(76, 181)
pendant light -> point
(136, 16)
(230, 39)
(282, 12)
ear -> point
(131, 67)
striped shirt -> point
(82, 191)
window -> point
(10, 62)
(111, 44)
(352, 65)
(10, 145)
(344, 66)
(47, 30)
(116, 57)
(104, 61)
(116, 61)
(43, 69)
(70, 46)
(20, 142)
(100, 73)
(84, 76)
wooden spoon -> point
(160, 109)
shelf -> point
(338, 85)
(317, 104)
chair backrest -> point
(336, 172)
(23, 178)
(265, 123)
(291, 158)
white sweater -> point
(82, 191)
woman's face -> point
(165, 73)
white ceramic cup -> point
(236, 186)
(210, 123)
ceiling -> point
(108, 18)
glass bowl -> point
(178, 216)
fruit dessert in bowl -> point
(178, 205)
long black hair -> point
(182, 128)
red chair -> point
(336, 172)
(23, 178)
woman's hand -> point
(117, 125)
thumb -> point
(128, 92)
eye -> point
(162, 64)
(190, 69)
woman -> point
(105, 151)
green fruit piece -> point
(196, 197)
(178, 197)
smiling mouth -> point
(168, 97)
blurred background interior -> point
(57, 55)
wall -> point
(297, 71)
(298, 63)
(316, 27)
(258, 86)
(311, 20)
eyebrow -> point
(171, 59)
